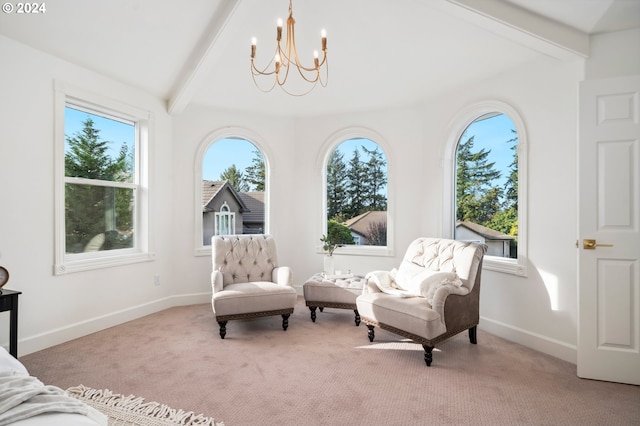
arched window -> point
(356, 212)
(231, 187)
(225, 221)
(488, 172)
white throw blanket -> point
(23, 396)
(386, 284)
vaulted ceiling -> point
(381, 53)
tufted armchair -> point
(433, 295)
(247, 281)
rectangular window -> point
(100, 183)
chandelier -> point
(286, 60)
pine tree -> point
(356, 190)
(511, 187)
(375, 180)
(477, 200)
(255, 173)
(96, 209)
(235, 178)
(336, 185)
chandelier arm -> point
(264, 71)
(260, 88)
(284, 89)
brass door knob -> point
(591, 244)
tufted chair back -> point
(244, 258)
(445, 255)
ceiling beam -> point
(542, 34)
(202, 60)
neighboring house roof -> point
(360, 223)
(487, 233)
(211, 188)
(255, 203)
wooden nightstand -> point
(9, 302)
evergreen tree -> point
(336, 185)
(506, 220)
(477, 200)
(375, 180)
(96, 209)
(235, 178)
(511, 187)
(356, 186)
(255, 173)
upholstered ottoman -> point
(340, 292)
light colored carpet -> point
(328, 373)
(129, 410)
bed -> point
(25, 401)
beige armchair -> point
(247, 281)
(433, 295)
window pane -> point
(357, 194)
(98, 147)
(487, 185)
(233, 182)
(98, 218)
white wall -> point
(539, 311)
(52, 308)
(614, 55)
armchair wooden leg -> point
(355, 311)
(473, 337)
(372, 333)
(223, 328)
(428, 356)
(313, 312)
(285, 321)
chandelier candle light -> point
(286, 59)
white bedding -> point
(10, 365)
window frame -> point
(330, 145)
(66, 95)
(456, 129)
(200, 249)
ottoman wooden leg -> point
(313, 312)
(223, 328)
(285, 321)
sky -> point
(113, 131)
(226, 152)
(492, 134)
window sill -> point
(80, 263)
(203, 251)
(506, 266)
(354, 250)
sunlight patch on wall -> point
(551, 283)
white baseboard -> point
(544, 344)
(60, 335)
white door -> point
(609, 214)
